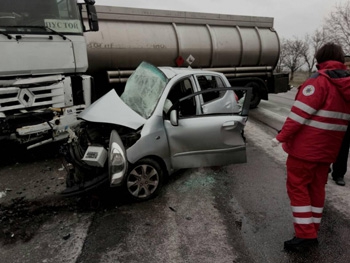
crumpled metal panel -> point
(111, 109)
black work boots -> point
(296, 243)
(339, 181)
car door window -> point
(207, 82)
(216, 102)
(180, 90)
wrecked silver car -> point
(166, 119)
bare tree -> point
(296, 53)
(280, 64)
(337, 26)
(293, 58)
(312, 44)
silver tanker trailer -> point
(245, 48)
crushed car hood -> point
(111, 109)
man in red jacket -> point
(312, 135)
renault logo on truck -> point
(26, 97)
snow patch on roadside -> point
(254, 132)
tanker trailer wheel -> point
(144, 179)
(256, 98)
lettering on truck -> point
(69, 26)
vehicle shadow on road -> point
(13, 153)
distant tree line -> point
(299, 53)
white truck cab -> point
(43, 59)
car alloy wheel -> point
(144, 179)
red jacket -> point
(316, 125)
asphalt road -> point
(236, 213)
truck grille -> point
(18, 99)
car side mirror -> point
(173, 118)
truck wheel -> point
(144, 179)
(256, 98)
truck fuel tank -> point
(128, 36)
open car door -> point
(212, 136)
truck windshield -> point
(144, 88)
(33, 16)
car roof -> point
(171, 72)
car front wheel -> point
(144, 179)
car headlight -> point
(117, 164)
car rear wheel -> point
(144, 179)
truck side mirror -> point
(92, 17)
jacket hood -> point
(337, 73)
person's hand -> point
(275, 142)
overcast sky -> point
(291, 17)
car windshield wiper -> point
(53, 31)
(42, 27)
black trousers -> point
(341, 164)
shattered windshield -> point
(144, 88)
(32, 16)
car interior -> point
(180, 90)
